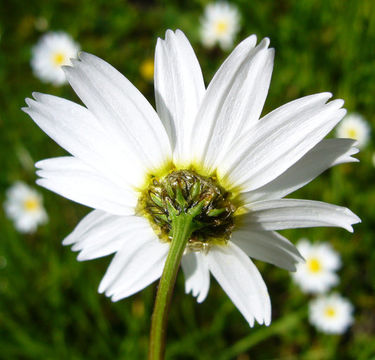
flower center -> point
(58, 59)
(147, 69)
(330, 312)
(314, 265)
(352, 133)
(221, 27)
(31, 204)
(184, 191)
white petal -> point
(87, 223)
(327, 153)
(234, 100)
(139, 263)
(240, 279)
(124, 110)
(268, 246)
(103, 236)
(78, 131)
(197, 275)
(279, 140)
(233, 104)
(291, 213)
(73, 179)
(179, 89)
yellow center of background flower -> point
(58, 59)
(31, 204)
(147, 69)
(314, 265)
(352, 133)
(330, 312)
(221, 27)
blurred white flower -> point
(354, 126)
(53, 50)
(137, 167)
(24, 206)
(317, 273)
(220, 24)
(331, 314)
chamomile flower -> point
(317, 273)
(331, 314)
(354, 126)
(24, 206)
(220, 24)
(52, 51)
(205, 153)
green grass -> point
(49, 305)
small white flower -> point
(52, 51)
(24, 206)
(354, 126)
(220, 24)
(317, 273)
(331, 314)
(200, 140)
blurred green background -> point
(49, 305)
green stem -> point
(182, 228)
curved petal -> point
(179, 89)
(117, 103)
(73, 179)
(242, 282)
(327, 153)
(101, 234)
(268, 246)
(78, 131)
(233, 101)
(279, 140)
(291, 214)
(139, 263)
(197, 275)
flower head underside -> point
(223, 161)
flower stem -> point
(182, 228)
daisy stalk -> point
(200, 181)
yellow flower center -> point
(185, 191)
(31, 204)
(314, 265)
(58, 59)
(352, 133)
(221, 27)
(330, 312)
(147, 69)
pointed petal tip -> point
(69, 240)
(37, 95)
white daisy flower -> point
(52, 51)
(317, 273)
(220, 24)
(205, 152)
(354, 126)
(24, 206)
(331, 314)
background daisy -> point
(53, 50)
(219, 24)
(317, 273)
(354, 126)
(24, 206)
(331, 314)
